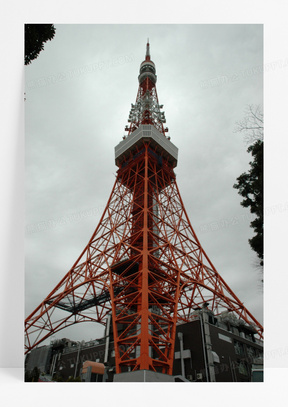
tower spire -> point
(147, 109)
(147, 58)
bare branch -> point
(252, 125)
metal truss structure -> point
(144, 262)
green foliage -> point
(71, 379)
(250, 184)
(250, 187)
(57, 378)
(35, 37)
(32, 376)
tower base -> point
(142, 376)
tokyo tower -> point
(144, 264)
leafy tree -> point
(35, 374)
(32, 376)
(250, 184)
(35, 37)
(57, 378)
(71, 379)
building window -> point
(235, 330)
(250, 353)
(242, 368)
(212, 320)
(239, 350)
(224, 338)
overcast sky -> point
(78, 96)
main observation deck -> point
(146, 133)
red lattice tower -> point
(144, 262)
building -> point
(212, 349)
(207, 349)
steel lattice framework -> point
(144, 262)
